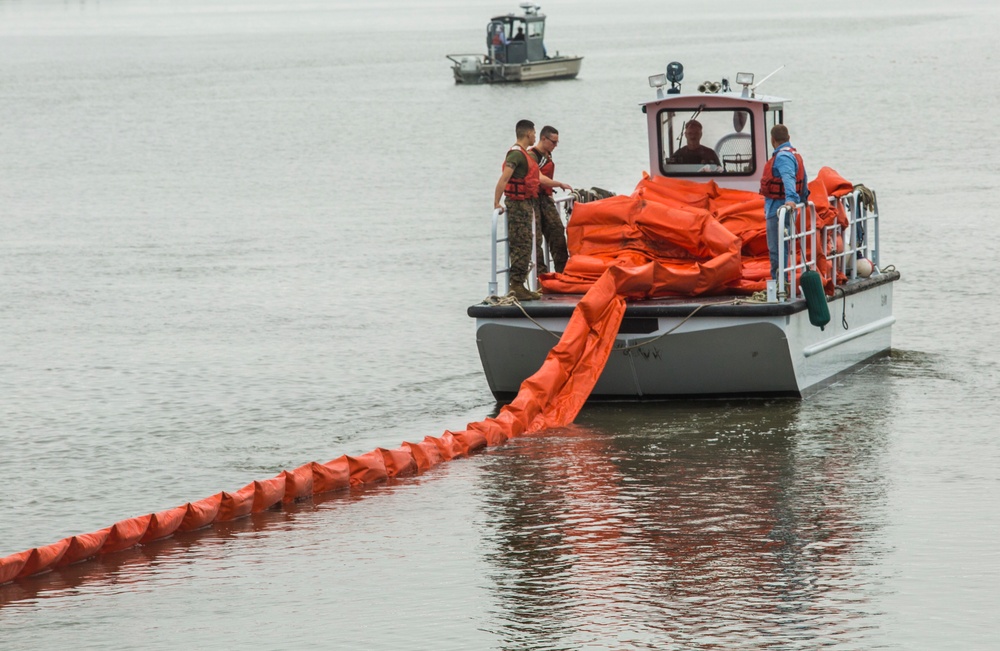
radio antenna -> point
(754, 87)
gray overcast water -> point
(241, 236)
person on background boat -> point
(518, 184)
(499, 37)
(694, 153)
(520, 34)
(499, 43)
(783, 185)
(547, 220)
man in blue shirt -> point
(783, 185)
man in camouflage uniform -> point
(547, 220)
(518, 184)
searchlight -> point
(658, 82)
(745, 79)
(675, 73)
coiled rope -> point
(510, 300)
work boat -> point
(515, 51)
(703, 319)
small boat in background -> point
(515, 52)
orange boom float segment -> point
(552, 397)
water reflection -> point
(703, 525)
(681, 525)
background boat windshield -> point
(697, 141)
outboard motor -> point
(470, 69)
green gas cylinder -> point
(812, 287)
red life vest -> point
(526, 188)
(548, 168)
(771, 185)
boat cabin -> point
(716, 134)
(517, 39)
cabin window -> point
(698, 141)
(535, 29)
(772, 115)
(516, 30)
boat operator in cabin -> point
(547, 220)
(694, 153)
(783, 185)
(518, 184)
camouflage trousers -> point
(519, 216)
(549, 225)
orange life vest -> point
(526, 188)
(771, 185)
(548, 168)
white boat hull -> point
(480, 72)
(728, 355)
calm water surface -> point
(238, 237)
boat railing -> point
(843, 245)
(458, 58)
(500, 251)
(798, 234)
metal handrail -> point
(859, 238)
(564, 205)
(492, 285)
(795, 234)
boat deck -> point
(561, 305)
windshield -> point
(699, 141)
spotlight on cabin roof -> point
(675, 73)
(745, 79)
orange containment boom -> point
(552, 397)
(673, 237)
